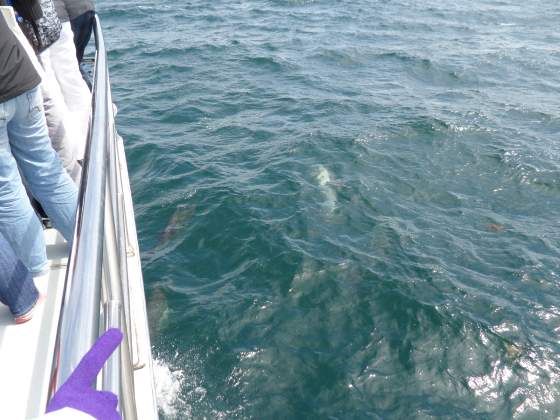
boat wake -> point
(169, 381)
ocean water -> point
(346, 209)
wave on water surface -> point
(345, 209)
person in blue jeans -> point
(17, 289)
(25, 147)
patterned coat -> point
(44, 32)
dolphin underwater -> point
(182, 214)
(325, 182)
(158, 311)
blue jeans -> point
(25, 144)
(17, 289)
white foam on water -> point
(169, 382)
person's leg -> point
(82, 26)
(62, 131)
(75, 91)
(17, 289)
(18, 222)
(86, 76)
(39, 163)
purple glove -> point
(77, 392)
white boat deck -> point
(26, 350)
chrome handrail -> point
(79, 318)
(95, 265)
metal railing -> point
(95, 294)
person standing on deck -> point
(61, 59)
(63, 131)
(25, 145)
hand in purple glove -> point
(77, 392)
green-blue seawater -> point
(346, 209)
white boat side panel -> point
(26, 350)
(143, 374)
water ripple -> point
(345, 210)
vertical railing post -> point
(114, 294)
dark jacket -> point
(17, 74)
(28, 9)
(77, 8)
(60, 6)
